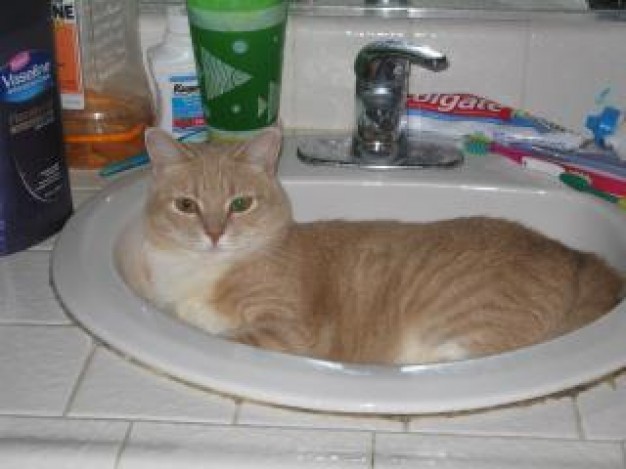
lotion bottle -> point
(173, 72)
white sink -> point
(93, 292)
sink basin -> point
(93, 292)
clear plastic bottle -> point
(173, 72)
(104, 89)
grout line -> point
(406, 423)
(236, 412)
(125, 441)
(40, 325)
(578, 419)
(79, 379)
(373, 451)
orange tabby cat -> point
(218, 248)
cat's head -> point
(215, 196)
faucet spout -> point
(372, 62)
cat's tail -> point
(599, 288)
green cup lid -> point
(233, 5)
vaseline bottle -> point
(238, 48)
(35, 198)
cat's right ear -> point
(163, 149)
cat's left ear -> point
(163, 149)
(263, 149)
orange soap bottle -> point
(104, 89)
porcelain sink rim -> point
(294, 381)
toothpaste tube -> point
(457, 115)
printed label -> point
(460, 104)
(69, 69)
(27, 75)
(187, 114)
(26, 85)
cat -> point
(217, 247)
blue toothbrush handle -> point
(129, 163)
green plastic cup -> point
(238, 48)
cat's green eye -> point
(241, 204)
(186, 205)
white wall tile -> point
(486, 58)
(161, 446)
(288, 83)
(554, 69)
(569, 64)
(257, 414)
(39, 443)
(323, 66)
(548, 419)
(603, 410)
(115, 388)
(39, 366)
(417, 451)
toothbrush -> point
(604, 172)
(141, 158)
(581, 184)
(128, 163)
(521, 157)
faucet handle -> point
(378, 60)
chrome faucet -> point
(381, 138)
(382, 80)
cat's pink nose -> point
(215, 236)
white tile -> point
(417, 451)
(151, 29)
(38, 443)
(323, 60)
(86, 179)
(80, 196)
(160, 446)
(486, 58)
(115, 388)
(39, 366)
(603, 410)
(33, 312)
(257, 414)
(25, 276)
(26, 296)
(548, 419)
(288, 84)
(569, 64)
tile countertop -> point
(68, 402)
